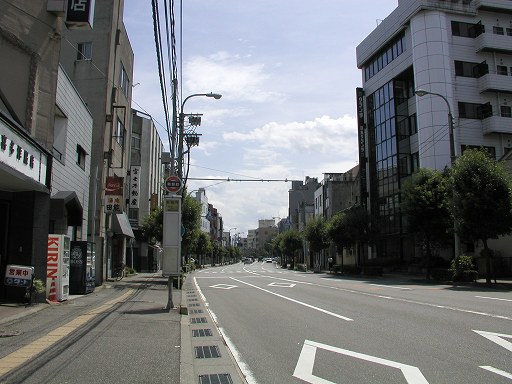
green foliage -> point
(203, 244)
(316, 234)
(482, 199)
(337, 231)
(152, 226)
(462, 263)
(38, 286)
(191, 220)
(426, 202)
(288, 242)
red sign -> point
(173, 184)
(114, 186)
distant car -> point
(248, 261)
(268, 260)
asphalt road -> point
(288, 327)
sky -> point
(287, 73)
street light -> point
(421, 93)
(216, 96)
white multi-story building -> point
(460, 53)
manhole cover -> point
(9, 333)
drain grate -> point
(201, 332)
(198, 320)
(207, 352)
(196, 311)
(216, 378)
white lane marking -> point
(391, 286)
(305, 364)
(493, 298)
(223, 286)
(497, 338)
(249, 376)
(455, 309)
(497, 371)
(295, 301)
(282, 285)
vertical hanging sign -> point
(114, 194)
(362, 144)
(80, 14)
(134, 186)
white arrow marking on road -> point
(295, 301)
(283, 285)
(497, 371)
(497, 338)
(223, 286)
(304, 367)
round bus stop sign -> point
(173, 184)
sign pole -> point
(171, 263)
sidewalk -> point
(153, 330)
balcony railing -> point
(497, 124)
(493, 42)
(493, 82)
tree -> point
(152, 226)
(190, 219)
(203, 246)
(337, 232)
(482, 199)
(288, 243)
(316, 233)
(425, 202)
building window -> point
(84, 51)
(80, 156)
(124, 82)
(502, 70)
(466, 29)
(136, 141)
(467, 69)
(385, 56)
(475, 111)
(119, 134)
(509, 31)
(498, 30)
(506, 111)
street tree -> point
(203, 246)
(316, 233)
(426, 204)
(482, 199)
(357, 228)
(337, 233)
(289, 243)
(190, 219)
(152, 226)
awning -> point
(65, 204)
(121, 225)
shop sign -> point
(134, 186)
(18, 153)
(80, 14)
(18, 275)
(114, 194)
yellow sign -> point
(171, 205)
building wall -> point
(67, 175)
(99, 82)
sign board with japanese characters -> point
(134, 186)
(114, 195)
(80, 14)
(18, 275)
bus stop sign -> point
(172, 184)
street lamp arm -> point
(216, 96)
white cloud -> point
(230, 75)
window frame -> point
(81, 155)
(84, 51)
